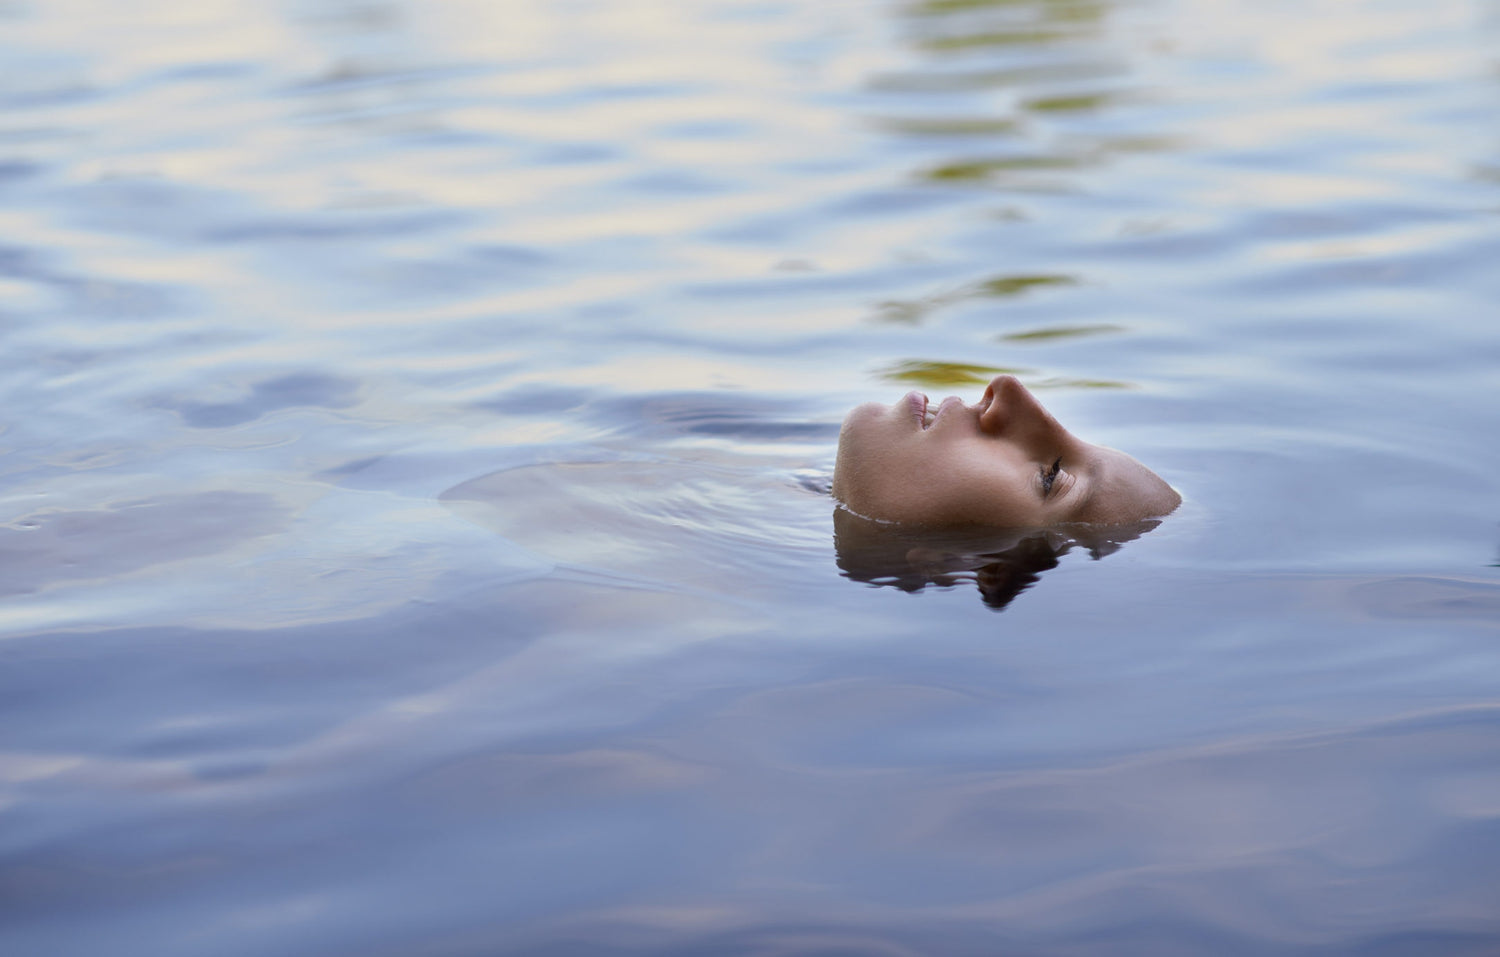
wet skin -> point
(1003, 461)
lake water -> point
(416, 424)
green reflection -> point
(939, 7)
(981, 170)
(909, 311)
(914, 310)
(1076, 103)
(1140, 143)
(924, 372)
(974, 80)
(1050, 10)
(995, 38)
(1015, 285)
(1061, 382)
(952, 126)
(1061, 332)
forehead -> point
(1101, 487)
(1124, 490)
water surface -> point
(417, 421)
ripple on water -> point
(45, 548)
(706, 520)
(417, 428)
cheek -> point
(867, 431)
(904, 477)
(987, 493)
(867, 421)
(874, 473)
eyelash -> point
(1049, 477)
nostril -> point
(992, 413)
(990, 391)
(1000, 384)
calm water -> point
(415, 421)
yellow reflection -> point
(1061, 332)
(951, 126)
(928, 373)
(1074, 103)
(954, 374)
(915, 310)
(995, 38)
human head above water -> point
(1002, 462)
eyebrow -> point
(1096, 481)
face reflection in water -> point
(1001, 563)
(1002, 462)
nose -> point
(1009, 409)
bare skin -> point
(1003, 461)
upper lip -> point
(952, 402)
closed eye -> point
(1050, 476)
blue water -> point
(416, 421)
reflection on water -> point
(1001, 563)
(995, 287)
(418, 422)
(708, 520)
(940, 374)
(1061, 332)
(958, 374)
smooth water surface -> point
(416, 425)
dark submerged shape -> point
(1001, 563)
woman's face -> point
(1004, 461)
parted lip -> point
(926, 416)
